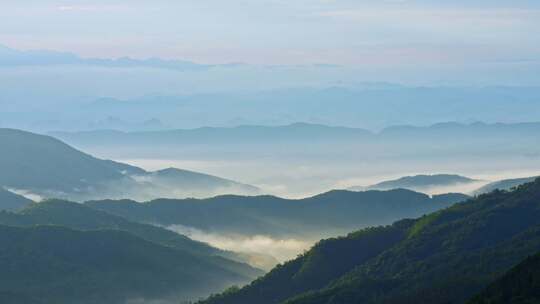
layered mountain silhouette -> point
(444, 257)
(293, 154)
(53, 264)
(362, 105)
(49, 168)
(332, 212)
(80, 217)
(450, 132)
(428, 183)
(145, 250)
(16, 58)
(247, 134)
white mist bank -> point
(280, 249)
(26, 194)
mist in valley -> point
(266, 251)
(303, 179)
(269, 152)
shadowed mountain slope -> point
(80, 217)
(520, 285)
(11, 201)
(334, 212)
(48, 167)
(56, 265)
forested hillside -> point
(80, 217)
(332, 212)
(519, 285)
(444, 257)
(56, 265)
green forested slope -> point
(80, 217)
(56, 265)
(521, 285)
(334, 211)
(444, 257)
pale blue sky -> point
(347, 32)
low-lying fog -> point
(265, 250)
(301, 179)
(297, 179)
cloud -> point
(90, 8)
(402, 16)
(277, 32)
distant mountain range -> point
(429, 183)
(333, 212)
(16, 58)
(303, 132)
(444, 257)
(302, 159)
(421, 183)
(355, 105)
(128, 254)
(49, 168)
(232, 94)
(246, 134)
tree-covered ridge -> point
(327, 260)
(80, 217)
(444, 257)
(56, 265)
(337, 210)
(521, 285)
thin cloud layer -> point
(279, 32)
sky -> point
(281, 32)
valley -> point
(269, 152)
